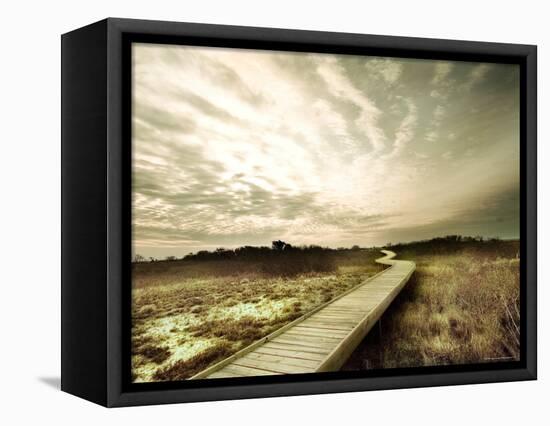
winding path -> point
(322, 339)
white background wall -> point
(30, 200)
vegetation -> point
(190, 313)
(461, 306)
(281, 259)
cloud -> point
(441, 72)
(476, 75)
(431, 136)
(447, 155)
(339, 85)
(439, 112)
(406, 130)
(438, 95)
(235, 146)
(389, 70)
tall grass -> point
(460, 307)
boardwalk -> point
(323, 339)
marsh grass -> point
(460, 307)
(188, 315)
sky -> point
(237, 147)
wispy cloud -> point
(388, 69)
(234, 147)
(339, 85)
(441, 73)
(476, 75)
(406, 130)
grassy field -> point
(189, 314)
(460, 307)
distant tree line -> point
(278, 249)
(452, 243)
(282, 250)
(281, 255)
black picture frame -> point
(96, 225)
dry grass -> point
(188, 315)
(459, 308)
(182, 368)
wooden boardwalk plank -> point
(326, 327)
(321, 340)
(297, 348)
(292, 340)
(290, 353)
(267, 360)
(269, 367)
(247, 371)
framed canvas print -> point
(252, 212)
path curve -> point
(324, 338)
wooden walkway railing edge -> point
(341, 353)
